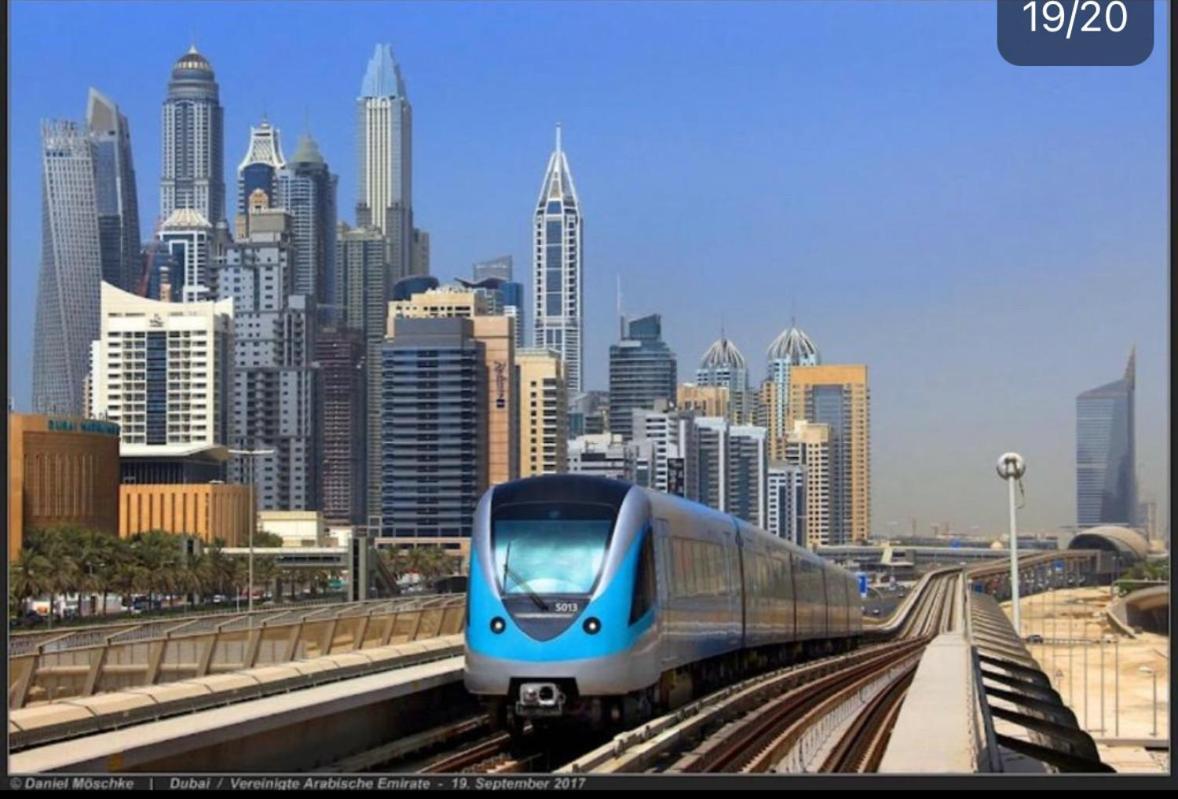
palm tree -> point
(29, 575)
(58, 546)
(215, 569)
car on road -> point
(1034, 639)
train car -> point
(597, 599)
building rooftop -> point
(722, 354)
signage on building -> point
(86, 426)
(500, 384)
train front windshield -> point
(545, 549)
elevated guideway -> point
(277, 718)
(980, 703)
(961, 695)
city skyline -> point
(967, 365)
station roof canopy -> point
(1129, 543)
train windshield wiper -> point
(508, 572)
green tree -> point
(30, 575)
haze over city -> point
(989, 241)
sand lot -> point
(1102, 683)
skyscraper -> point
(838, 396)
(791, 348)
(556, 274)
(71, 268)
(588, 413)
(117, 198)
(495, 276)
(419, 257)
(723, 365)
(786, 505)
(360, 274)
(747, 474)
(384, 126)
(702, 400)
(642, 371)
(307, 190)
(193, 141)
(808, 448)
(665, 446)
(502, 297)
(1106, 462)
(500, 267)
(340, 355)
(258, 171)
(543, 413)
(496, 338)
(189, 239)
(433, 437)
(161, 370)
(274, 391)
(361, 270)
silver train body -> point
(678, 585)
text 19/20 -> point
(1091, 15)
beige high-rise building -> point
(808, 446)
(703, 400)
(838, 396)
(543, 413)
(497, 334)
(770, 406)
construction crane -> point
(149, 256)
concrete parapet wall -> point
(938, 730)
(295, 730)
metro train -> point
(602, 601)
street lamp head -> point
(1011, 466)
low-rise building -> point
(209, 511)
(296, 528)
(62, 470)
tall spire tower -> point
(384, 124)
(557, 267)
(258, 171)
(193, 141)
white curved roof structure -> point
(795, 346)
(722, 354)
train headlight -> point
(498, 625)
(592, 625)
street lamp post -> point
(1102, 682)
(1085, 681)
(1011, 468)
(1117, 685)
(1154, 674)
(251, 453)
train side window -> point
(644, 588)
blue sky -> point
(991, 240)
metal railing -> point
(95, 660)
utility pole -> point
(253, 505)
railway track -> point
(830, 715)
(834, 714)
